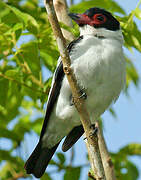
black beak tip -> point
(74, 16)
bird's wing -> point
(54, 92)
(56, 86)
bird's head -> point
(96, 21)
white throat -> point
(90, 30)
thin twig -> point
(22, 84)
(79, 102)
(18, 176)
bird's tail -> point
(39, 159)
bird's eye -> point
(99, 18)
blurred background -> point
(28, 56)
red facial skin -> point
(97, 19)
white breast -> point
(99, 67)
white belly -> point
(100, 70)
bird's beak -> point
(80, 19)
(75, 16)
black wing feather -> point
(39, 159)
(59, 74)
(72, 137)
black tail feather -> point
(39, 159)
(72, 137)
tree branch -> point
(62, 16)
(79, 102)
(106, 159)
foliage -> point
(28, 56)
(125, 169)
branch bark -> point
(62, 15)
(106, 159)
(79, 102)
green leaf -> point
(3, 91)
(9, 18)
(125, 169)
(10, 169)
(11, 15)
(107, 4)
(14, 73)
(23, 126)
(61, 158)
(6, 40)
(49, 61)
(46, 177)
(37, 125)
(113, 113)
(72, 173)
(52, 162)
(13, 101)
(129, 171)
(5, 155)
(48, 49)
(132, 74)
(5, 133)
(29, 53)
(74, 30)
(138, 13)
(131, 149)
(26, 18)
(17, 29)
(131, 32)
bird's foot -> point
(94, 131)
(71, 100)
(83, 95)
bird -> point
(98, 62)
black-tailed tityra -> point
(98, 63)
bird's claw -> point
(83, 95)
(94, 131)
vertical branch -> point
(79, 102)
(62, 15)
(106, 159)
